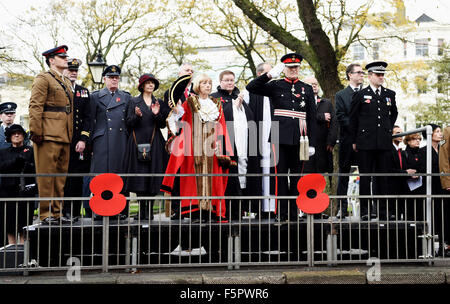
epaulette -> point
(127, 92)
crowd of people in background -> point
(277, 125)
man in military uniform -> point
(80, 156)
(372, 117)
(51, 123)
(295, 112)
(8, 113)
(109, 135)
(347, 157)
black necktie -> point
(377, 91)
(112, 94)
(356, 89)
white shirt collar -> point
(375, 89)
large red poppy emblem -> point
(311, 198)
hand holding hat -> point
(276, 71)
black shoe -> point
(64, 220)
(49, 220)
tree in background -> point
(222, 19)
(321, 30)
(438, 112)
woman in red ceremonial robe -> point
(197, 148)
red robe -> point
(182, 158)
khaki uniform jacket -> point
(46, 91)
(444, 159)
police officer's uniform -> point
(78, 162)
(294, 110)
(6, 108)
(372, 118)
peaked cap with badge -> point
(74, 64)
(292, 59)
(111, 70)
(377, 67)
(60, 51)
(8, 107)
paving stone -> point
(244, 278)
(326, 277)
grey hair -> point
(260, 67)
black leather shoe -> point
(365, 217)
(49, 220)
(64, 220)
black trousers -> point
(287, 162)
(347, 158)
(373, 161)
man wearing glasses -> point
(372, 117)
(51, 128)
(347, 157)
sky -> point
(436, 9)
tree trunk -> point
(318, 52)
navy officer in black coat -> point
(295, 113)
(372, 117)
(80, 152)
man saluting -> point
(294, 110)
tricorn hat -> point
(12, 129)
(177, 89)
(146, 77)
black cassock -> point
(253, 184)
(143, 128)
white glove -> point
(175, 116)
(276, 70)
(312, 151)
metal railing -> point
(254, 238)
(109, 243)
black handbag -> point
(143, 150)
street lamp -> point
(97, 67)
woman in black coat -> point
(440, 207)
(412, 142)
(144, 121)
(18, 158)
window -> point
(421, 47)
(358, 52)
(440, 47)
(376, 51)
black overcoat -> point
(109, 132)
(143, 128)
(9, 164)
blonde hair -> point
(197, 80)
